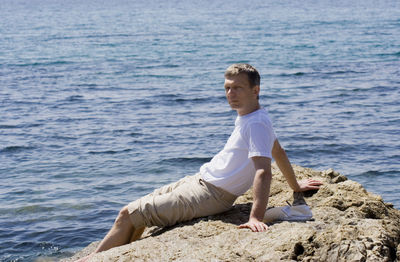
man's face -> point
(241, 97)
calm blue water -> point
(102, 101)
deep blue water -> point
(102, 101)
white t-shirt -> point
(232, 168)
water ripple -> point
(113, 104)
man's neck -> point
(249, 110)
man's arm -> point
(261, 187)
(281, 159)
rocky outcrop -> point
(350, 224)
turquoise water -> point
(102, 101)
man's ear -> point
(256, 90)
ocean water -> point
(103, 101)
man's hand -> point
(255, 225)
(309, 184)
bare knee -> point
(123, 217)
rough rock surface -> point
(350, 224)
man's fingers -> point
(244, 226)
(247, 225)
(260, 227)
(255, 227)
(252, 227)
(311, 183)
(314, 182)
(264, 227)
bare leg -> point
(137, 233)
(120, 234)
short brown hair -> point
(249, 70)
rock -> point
(350, 224)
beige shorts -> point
(189, 198)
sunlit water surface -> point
(101, 102)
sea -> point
(103, 101)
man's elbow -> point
(264, 173)
(277, 150)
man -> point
(245, 161)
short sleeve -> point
(261, 138)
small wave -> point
(379, 88)
(143, 142)
(8, 126)
(292, 74)
(304, 46)
(107, 36)
(181, 125)
(135, 134)
(109, 152)
(26, 102)
(75, 98)
(341, 72)
(376, 173)
(310, 137)
(69, 119)
(159, 76)
(60, 137)
(87, 36)
(193, 100)
(390, 54)
(185, 160)
(61, 62)
(170, 98)
(372, 173)
(157, 66)
(86, 85)
(337, 72)
(16, 149)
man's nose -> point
(231, 92)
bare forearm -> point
(261, 188)
(284, 165)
